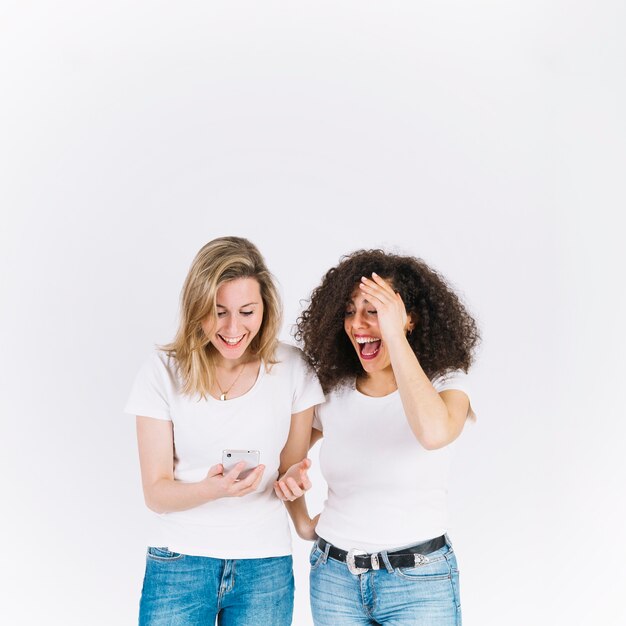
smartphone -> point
(230, 458)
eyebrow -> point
(243, 306)
(349, 302)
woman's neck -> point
(229, 365)
(377, 384)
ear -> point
(411, 322)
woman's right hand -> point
(220, 485)
(306, 528)
(294, 482)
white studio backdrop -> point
(485, 137)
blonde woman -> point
(221, 547)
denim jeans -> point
(426, 595)
(182, 590)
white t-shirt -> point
(253, 526)
(385, 490)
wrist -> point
(395, 339)
(207, 490)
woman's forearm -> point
(299, 513)
(167, 495)
(426, 412)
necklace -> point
(222, 392)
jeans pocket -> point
(454, 578)
(451, 558)
(163, 554)
(437, 569)
(316, 556)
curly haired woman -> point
(391, 344)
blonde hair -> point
(218, 262)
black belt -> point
(359, 562)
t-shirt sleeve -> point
(317, 420)
(149, 394)
(457, 379)
(307, 391)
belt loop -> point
(326, 551)
(375, 562)
(448, 542)
(385, 559)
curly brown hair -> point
(444, 337)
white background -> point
(486, 137)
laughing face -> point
(239, 317)
(361, 326)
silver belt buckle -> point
(350, 562)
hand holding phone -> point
(230, 458)
(224, 480)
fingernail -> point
(374, 274)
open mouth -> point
(369, 347)
(231, 342)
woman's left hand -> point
(390, 309)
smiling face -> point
(361, 326)
(239, 317)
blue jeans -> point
(426, 595)
(182, 590)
